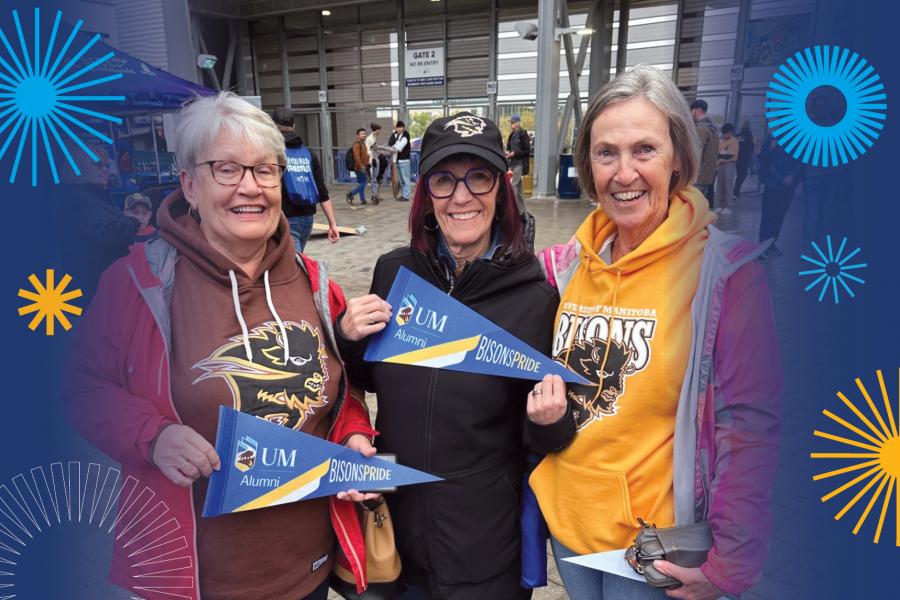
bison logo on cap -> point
(466, 126)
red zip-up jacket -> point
(119, 396)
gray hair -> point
(661, 91)
(204, 118)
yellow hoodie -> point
(619, 465)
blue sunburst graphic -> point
(832, 270)
(826, 145)
(36, 99)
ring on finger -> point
(184, 465)
(538, 391)
(371, 320)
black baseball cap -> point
(462, 133)
(283, 116)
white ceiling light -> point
(326, 13)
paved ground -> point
(352, 259)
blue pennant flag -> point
(264, 464)
(431, 329)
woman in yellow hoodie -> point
(672, 320)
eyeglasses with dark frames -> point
(479, 181)
(227, 172)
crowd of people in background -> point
(727, 158)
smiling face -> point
(632, 162)
(233, 218)
(465, 218)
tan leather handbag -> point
(382, 560)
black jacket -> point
(403, 154)
(519, 144)
(775, 165)
(460, 537)
(745, 149)
(292, 140)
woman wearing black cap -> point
(458, 539)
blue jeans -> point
(301, 227)
(360, 185)
(403, 171)
(374, 179)
(583, 583)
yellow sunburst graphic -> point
(50, 302)
(876, 452)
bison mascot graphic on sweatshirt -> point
(283, 391)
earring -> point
(193, 213)
(428, 223)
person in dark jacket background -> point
(518, 151)
(709, 149)
(746, 150)
(399, 141)
(300, 215)
(780, 174)
(458, 539)
(93, 233)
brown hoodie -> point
(228, 348)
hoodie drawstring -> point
(240, 316)
(284, 337)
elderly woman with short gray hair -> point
(671, 321)
(219, 311)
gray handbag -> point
(685, 546)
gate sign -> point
(425, 66)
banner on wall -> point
(431, 329)
(424, 66)
(264, 464)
